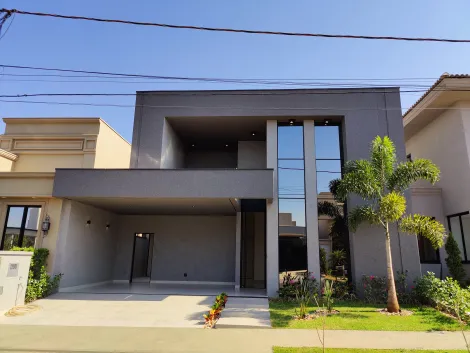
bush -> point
(337, 258)
(445, 295)
(454, 259)
(306, 289)
(323, 261)
(213, 316)
(291, 283)
(375, 289)
(40, 284)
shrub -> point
(305, 290)
(213, 316)
(337, 258)
(375, 289)
(344, 290)
(454, 259)
(287, 289)
(323, 261)
(445, 295)
(328, 292)
(40, 284)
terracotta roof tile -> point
(443, 76)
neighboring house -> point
(211, 178)
(437, 127)
(31, 150)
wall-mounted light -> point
(88, 223)
(327, 122)
(193, 145)
(108, 226)
(291, 121)
(253, 133)
(226, 145)
(46, 225)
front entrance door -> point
(142, 257)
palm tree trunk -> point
(392, 300)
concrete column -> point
(272, 225)
(311, 208)
(238, 243)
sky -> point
(59, 43)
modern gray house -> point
(209, 175)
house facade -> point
(30, 151)
(223, 189)
(437, 127)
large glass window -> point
(459, 225)
(427, 253)
(332, 232)
(291, 181)
(21, 227)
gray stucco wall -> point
(201, 246)
(145, 183)
(173, 155)
(251, 154)
(86, 252)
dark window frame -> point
(22, 226)
(465, 254)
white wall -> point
(444, 142)
(172, 149)
(85, 254)
(251, 154)
(203, 247)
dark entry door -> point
(142, 256)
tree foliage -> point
(454, 259)
(381, 181)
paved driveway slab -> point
(136, 310)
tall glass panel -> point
(332, 232)
(21, 228)
(291, 183)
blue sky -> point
(34, 41)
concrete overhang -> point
(446, 92)
(155, 190)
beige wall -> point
(444, 142)
(112, 150)
(5, 164)
(48, 162)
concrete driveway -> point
(137, 310)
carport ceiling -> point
(135, 206)
(219, 130)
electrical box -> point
(14, 269)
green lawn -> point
(360, 316)
(348, 350)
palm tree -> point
(382, 181)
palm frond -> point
(362, 214)
(333, 186)
(383, 159)
(392, 206)
(425, 226)
(327, 208)
(358, 179)
(407, 173)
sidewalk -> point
(51, 339)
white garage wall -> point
(86, 252)
(203, 247)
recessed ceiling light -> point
(253, 133)
(193, 145)
(226, 145)
(291, 121)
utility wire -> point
(223, 107)
(233, 30)
(151, 93)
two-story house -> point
(212, 176)
(437, 127)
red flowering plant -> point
(291, 283)
(375, 289)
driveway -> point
(137, 310)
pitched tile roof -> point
(443, 76)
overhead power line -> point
(226, 107)
(234, 30)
